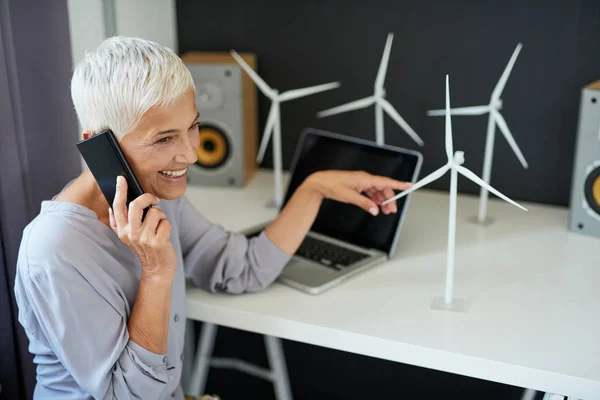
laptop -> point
(344, 239)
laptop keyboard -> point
(328, 254)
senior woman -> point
(101, 294)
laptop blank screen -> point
(344, 221)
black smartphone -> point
(106, 161)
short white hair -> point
(123, 78)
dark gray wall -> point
(37, 150)
(308, 42)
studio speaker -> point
(226, 98)
(585, 189)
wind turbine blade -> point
(509, 137)
(400, 121)
(267, 133)
(425, 181)
(470, 175)
(380, 79)
(307, 91)
(262, 85)
(449, 146)
(473, 110)
(504, 77)
(353, 105)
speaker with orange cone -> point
(585, 188)
(227, 101)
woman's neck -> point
(84, 190)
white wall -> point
(149, 19)
(86, 26)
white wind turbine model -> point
(454, 164)
(378, 98)
(273, 126)
(494, 118)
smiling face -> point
(162, 145)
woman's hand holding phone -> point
(150, 239)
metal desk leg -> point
(188, 355)
(203, 360)
(279, 370)
(206, 343)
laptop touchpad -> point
(308, 273)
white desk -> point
(533, 288)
